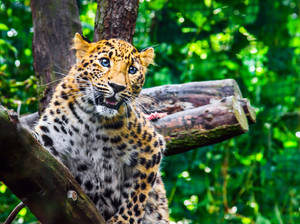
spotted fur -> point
(92, 125)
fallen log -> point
(249, 110)
(39, 180)
(205, 125)
(174, 98)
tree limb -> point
(37, 178)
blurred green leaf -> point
(3, 27)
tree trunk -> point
(39, 180)
(116, 19)
(55, 24)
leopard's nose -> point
(116, 87)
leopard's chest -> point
(100, 174)
(93, 159)
(92, 156)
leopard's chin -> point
(105, 111)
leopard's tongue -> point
(111, 100)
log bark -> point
(116, 19)
(205, 125)
(38, 179)
(55, 24)
(179, 97)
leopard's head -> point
(110, 72)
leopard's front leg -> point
(143, 156)
(133, 208)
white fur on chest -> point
(89, 155)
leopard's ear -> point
(147, 56)
(80, 45)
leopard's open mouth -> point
(110, 102)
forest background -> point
(253, 178)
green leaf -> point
(23, 212)
(262, 220)
(157, 4)
(2, 188)
(3, 27)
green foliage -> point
(250, 179)
(17, 81)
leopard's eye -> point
(105, 62)
(132, 70)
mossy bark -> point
(39, 180)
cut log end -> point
(239, 113)
(249, 110)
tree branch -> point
(38, 179)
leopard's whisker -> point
(60, 68)
(141, 106)
(126, 113)
(60, 73)
(49, 83)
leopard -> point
(94, 126)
